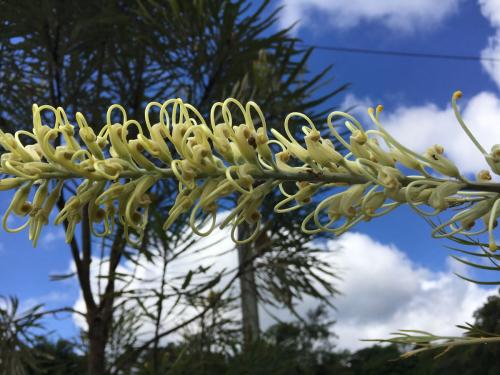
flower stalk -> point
(233, 155)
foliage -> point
(17, 335)
(296, 347)
(57, 358)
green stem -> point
(341, 178)
(451, 344)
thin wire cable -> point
(401, 53)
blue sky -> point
(415, 93)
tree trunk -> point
(249, 305)
(97, 345)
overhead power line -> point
(401, 53)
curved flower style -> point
(232, 154)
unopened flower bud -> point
(484, 175)
(440, 163)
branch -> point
(214, 162)
(426, 341)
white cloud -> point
(382, 290)
(406, 16)
(491, 10)
(214, 251)
(419, 127)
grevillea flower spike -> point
(234, 154)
